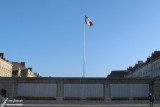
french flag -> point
(88, 21)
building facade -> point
(5, 67)
(14, 69)
(19, 70)
(30, 73)
(151, 68)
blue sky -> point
(48, 34)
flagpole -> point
(84, 51)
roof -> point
(17, 65)
(6, 61)
(119, 73)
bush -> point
(35, 98)
(72, 98)
(120, 98)
(140, 98)
(94, 98)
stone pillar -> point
(151, 84)
(15, 89)
(107, 91)
(156, 89)
(60, 90)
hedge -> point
(35, 98)
(94, 98)
(72, 98)
(120, 98)
(140, 98)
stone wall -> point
(37, 90)
(83, 90)
(129, 90)
(12, 85)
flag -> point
(88, 21)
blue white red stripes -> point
(88, 21)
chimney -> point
(30, 69)
(23, 64)
(2, 55)
(140, 62)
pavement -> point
(82, 103)
(83, 106)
